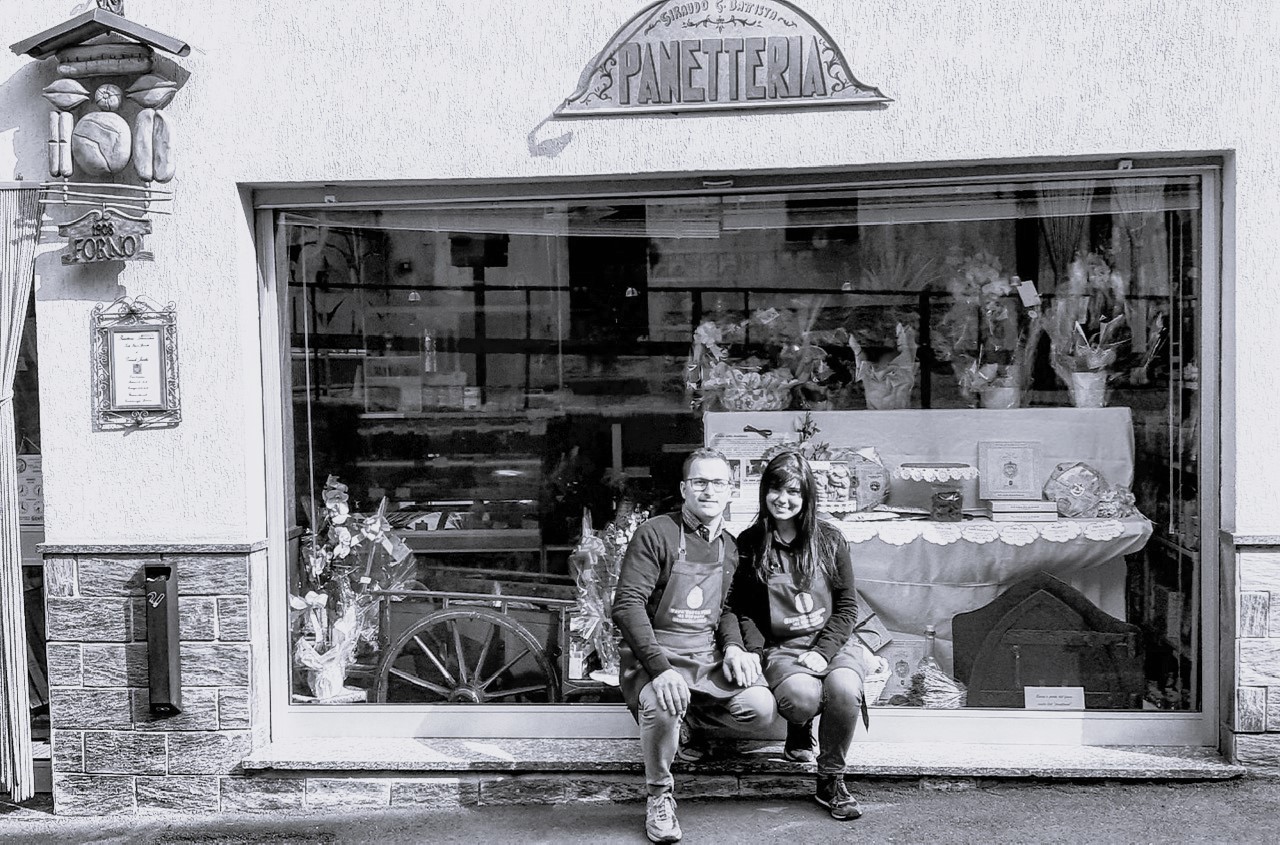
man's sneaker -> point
(660, 823)
(834, 795)
(799, 745)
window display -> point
(992, 380)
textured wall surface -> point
(457, 89)
(110, 754)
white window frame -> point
(889, 724)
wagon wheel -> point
(458, 656)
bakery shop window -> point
(997, 385)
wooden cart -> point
(462, 647)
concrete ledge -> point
(55, 549)
(873, 760)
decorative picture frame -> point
(134, 365)
(1009, 469)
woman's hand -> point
(741, 667)
(812, 661)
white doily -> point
(980, 531)
(935, 473)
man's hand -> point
(812, 661)
(672, 692)
(741, 667)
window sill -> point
(872, 760)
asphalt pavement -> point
(1237, 812)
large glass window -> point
(998, 383)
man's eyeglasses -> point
(719, 485)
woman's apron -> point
(685, 625)
(796, 617)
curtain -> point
(19, 226)
(1063, 214)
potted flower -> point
(1087, 328)
(984, 333)
(888, 381)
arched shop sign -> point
(700, 55)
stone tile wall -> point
(110, 755)
(1251, 639)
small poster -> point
(745, 453)
(134, 350)
(1009, 469)
(902, 656)
(137, 369)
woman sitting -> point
(794, 597)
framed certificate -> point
(135, 366)
(1009, 469)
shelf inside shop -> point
(451, 463)
(476, 540)
(1173, 546)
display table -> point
(923, 573)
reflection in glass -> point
(489, 380)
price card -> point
(1053, 698)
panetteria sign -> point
(717, 54)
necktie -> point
(705, 533)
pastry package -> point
(852, 480)
(1082, 492)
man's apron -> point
(684, 625)
(797, 616)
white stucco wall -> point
(327, 91)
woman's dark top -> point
(749, 598)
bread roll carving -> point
(152, 146)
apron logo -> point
(694, 599)
(804, 602)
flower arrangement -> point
(888, 382)
(985, 332)
(717, 380)
(345, 557)
(1087, 327)
(595, 564)
(793, 363)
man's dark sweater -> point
(646, 567)
(750, 596)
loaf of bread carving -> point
(101, 142)
(152, 146)
(66, 94)
(152, 92)
(109, 58)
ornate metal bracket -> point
(134, 365)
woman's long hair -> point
(816, 542)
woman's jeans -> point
(838, 697)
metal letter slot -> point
(163, 666)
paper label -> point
(1028, 293)
(1061, 531)
(1019, 534)
(979, 532)
(1053, 698)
